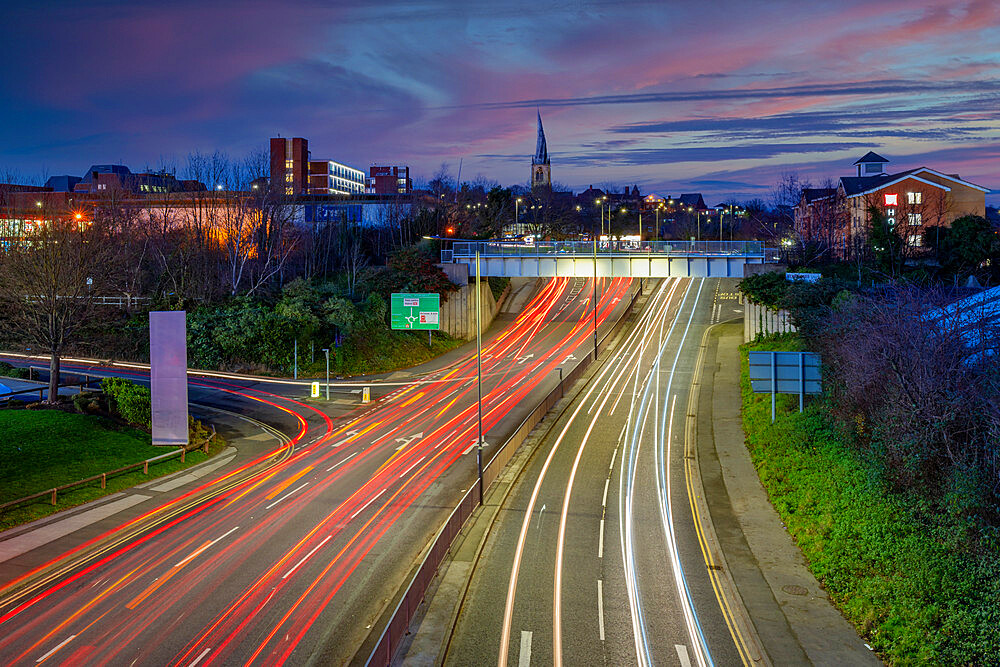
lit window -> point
(892, 200)
(914, 197)
(914, 240)
(289, 178)
(289, 164)
(915, 218)
(288, 191)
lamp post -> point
(595, 295)
(516, 204)
(479, 377)
(326, 351)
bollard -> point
(104, 480)
(183, 452)
(145, 467)
(53, 497)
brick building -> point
(384, 180)
(329, 177)
(290, 165)
(912, 201)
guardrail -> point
(119, 301)
(399, 622)
(41, 390)
(615, 247)
(182, 450)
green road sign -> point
(416, 311)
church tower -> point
(541, 175)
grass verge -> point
(43, 449)
(384, 351)
(902, 571)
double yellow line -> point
(746, 644)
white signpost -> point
(168, 376)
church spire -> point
(541, 175)
(541, 149)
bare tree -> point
(48, 281)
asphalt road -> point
(595, 558)
(293, 555)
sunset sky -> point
(716, 97)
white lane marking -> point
(306, 557)
(296, 489)
(600, 541)
(524, 657)
(413, 466)
(199, 550)
(600, 609)
(526, 523)
(199, 658)
(682, 655)
(335, 465)
(604, 502)
(64, 642)
(471, 447)
(368, 503)
(613, 455)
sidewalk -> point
(794, 618)
(26, 547)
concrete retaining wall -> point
(761, 320)
(458, 314)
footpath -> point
(26, 547)
(793, 617)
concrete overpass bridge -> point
(610, 258)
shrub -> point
(130, 401)
(13, 372)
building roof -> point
(870, 157)
(812, 194)
(859, 185)
(693, 199)
(119, 169)
(541, 148)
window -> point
(289, 191)
(914, 197)
(289, 164)
(915, 218)
(914, 240)
(289, 178)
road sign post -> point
(785, 373)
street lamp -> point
(479, 376)
(326, 351)
(516, 203)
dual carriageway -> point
(292, 557)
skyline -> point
(682, 97)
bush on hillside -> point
(130, 401)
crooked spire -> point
(541, 149)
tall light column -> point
(595, 299)
(479, 376)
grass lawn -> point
(42, 449)
(898, 568)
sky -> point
(718, 96)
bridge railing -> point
(488, 249)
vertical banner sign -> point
(168, 376)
